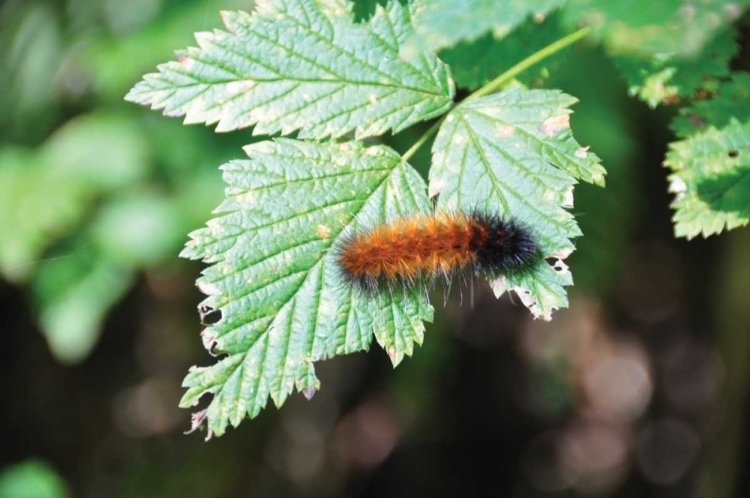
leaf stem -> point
(419, 143)
(529, 61)
(501, 80)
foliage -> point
(711, 180)
(513, 153)
(31, 479)
(476, 63)
(669, 77)
(646, 28)
(444, 23)
(110, 194)
(282, 305)
(302, 66)
(731, 100)
(274, 277)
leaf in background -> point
(76, 274)
(45, 193)
(732, 100)
(649, 28)
(105, 150)
(364, 9)
(512, 153)
(139, 228)
(38, 208)
(445, 23)
(273, 276)
(302, 65)
(113, 63)
(31, 479)
(476, 63)
(73, 295)
(711, 180)
(30, 62)
(662, 78)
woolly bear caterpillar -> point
(429, 246)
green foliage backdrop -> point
(307, 66)
(337, 76)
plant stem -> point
(529, 61)
(501, 80)
(419, 143)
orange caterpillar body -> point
(445, 244)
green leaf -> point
(732, 100)
(445, 23)
(31, 61)
(31, 479)
(476, 63)
(302, 65)
(711, 180)
(662, 78)
(35, 211)
(139, 228)
(105, 150)
(649, 28)
(274, 279)
(73, 296)
(44, 193)
(513, 153)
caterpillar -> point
(427, 246)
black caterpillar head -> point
(503, 245)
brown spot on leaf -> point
(552, 126)
(324, 231)
(505, 131)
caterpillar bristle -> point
(425, 248)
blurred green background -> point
(639, 389)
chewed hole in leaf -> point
(209, 315)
